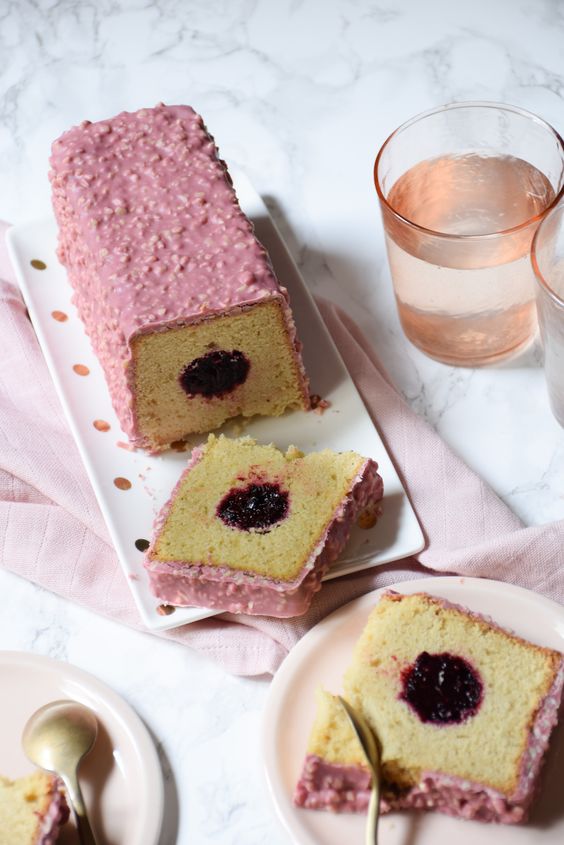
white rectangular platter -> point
(129, 513)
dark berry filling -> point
(257, 506)
(442, 688)
(215, 373)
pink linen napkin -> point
(52, 532)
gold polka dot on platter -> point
(59, 316)
(81, 369)
(165, 609)
(101, 425)
(142, 545)
(122, 483)
(37, 264)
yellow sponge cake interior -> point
(267, 382)
(484, 745)
(32, 809)
(304, 492)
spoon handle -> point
(85, 835)
(373, 814)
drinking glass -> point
(462, 189)
(548, 264)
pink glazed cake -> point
(176, 293)
(32, 810)
(463, 711)
(249, 529)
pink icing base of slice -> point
(449, 795)
(231, 597)
(55, 817)
(220, 588)
(329, 786)
(346, 789)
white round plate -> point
(121, 777)
(321, 658)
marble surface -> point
(299, 94)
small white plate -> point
(121, 777)
(129, 513)
(322, 657)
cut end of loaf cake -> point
(32, 809)
(252, 529)
(193, 378)
(463, 711)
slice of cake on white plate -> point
(250, 529)
(463, 711)
(33, 809)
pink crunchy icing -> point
(183, 583)
(153, 237)
(56, 816)
(332, 786)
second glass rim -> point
(461, 105)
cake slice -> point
(463, 711)
(249, 529)
(335, 775)
(32, 810)
(178, 297)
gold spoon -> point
(369, 745)
(56, 738)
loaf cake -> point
(463, 711)
(32, 810)
(177, 295)
(249, 529)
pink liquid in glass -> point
(466, 299)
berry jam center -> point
(257, 506)
(215, 373)
(442, 688)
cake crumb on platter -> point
(121, 444)
(179, 445)
(318, 405)
(369, 517)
